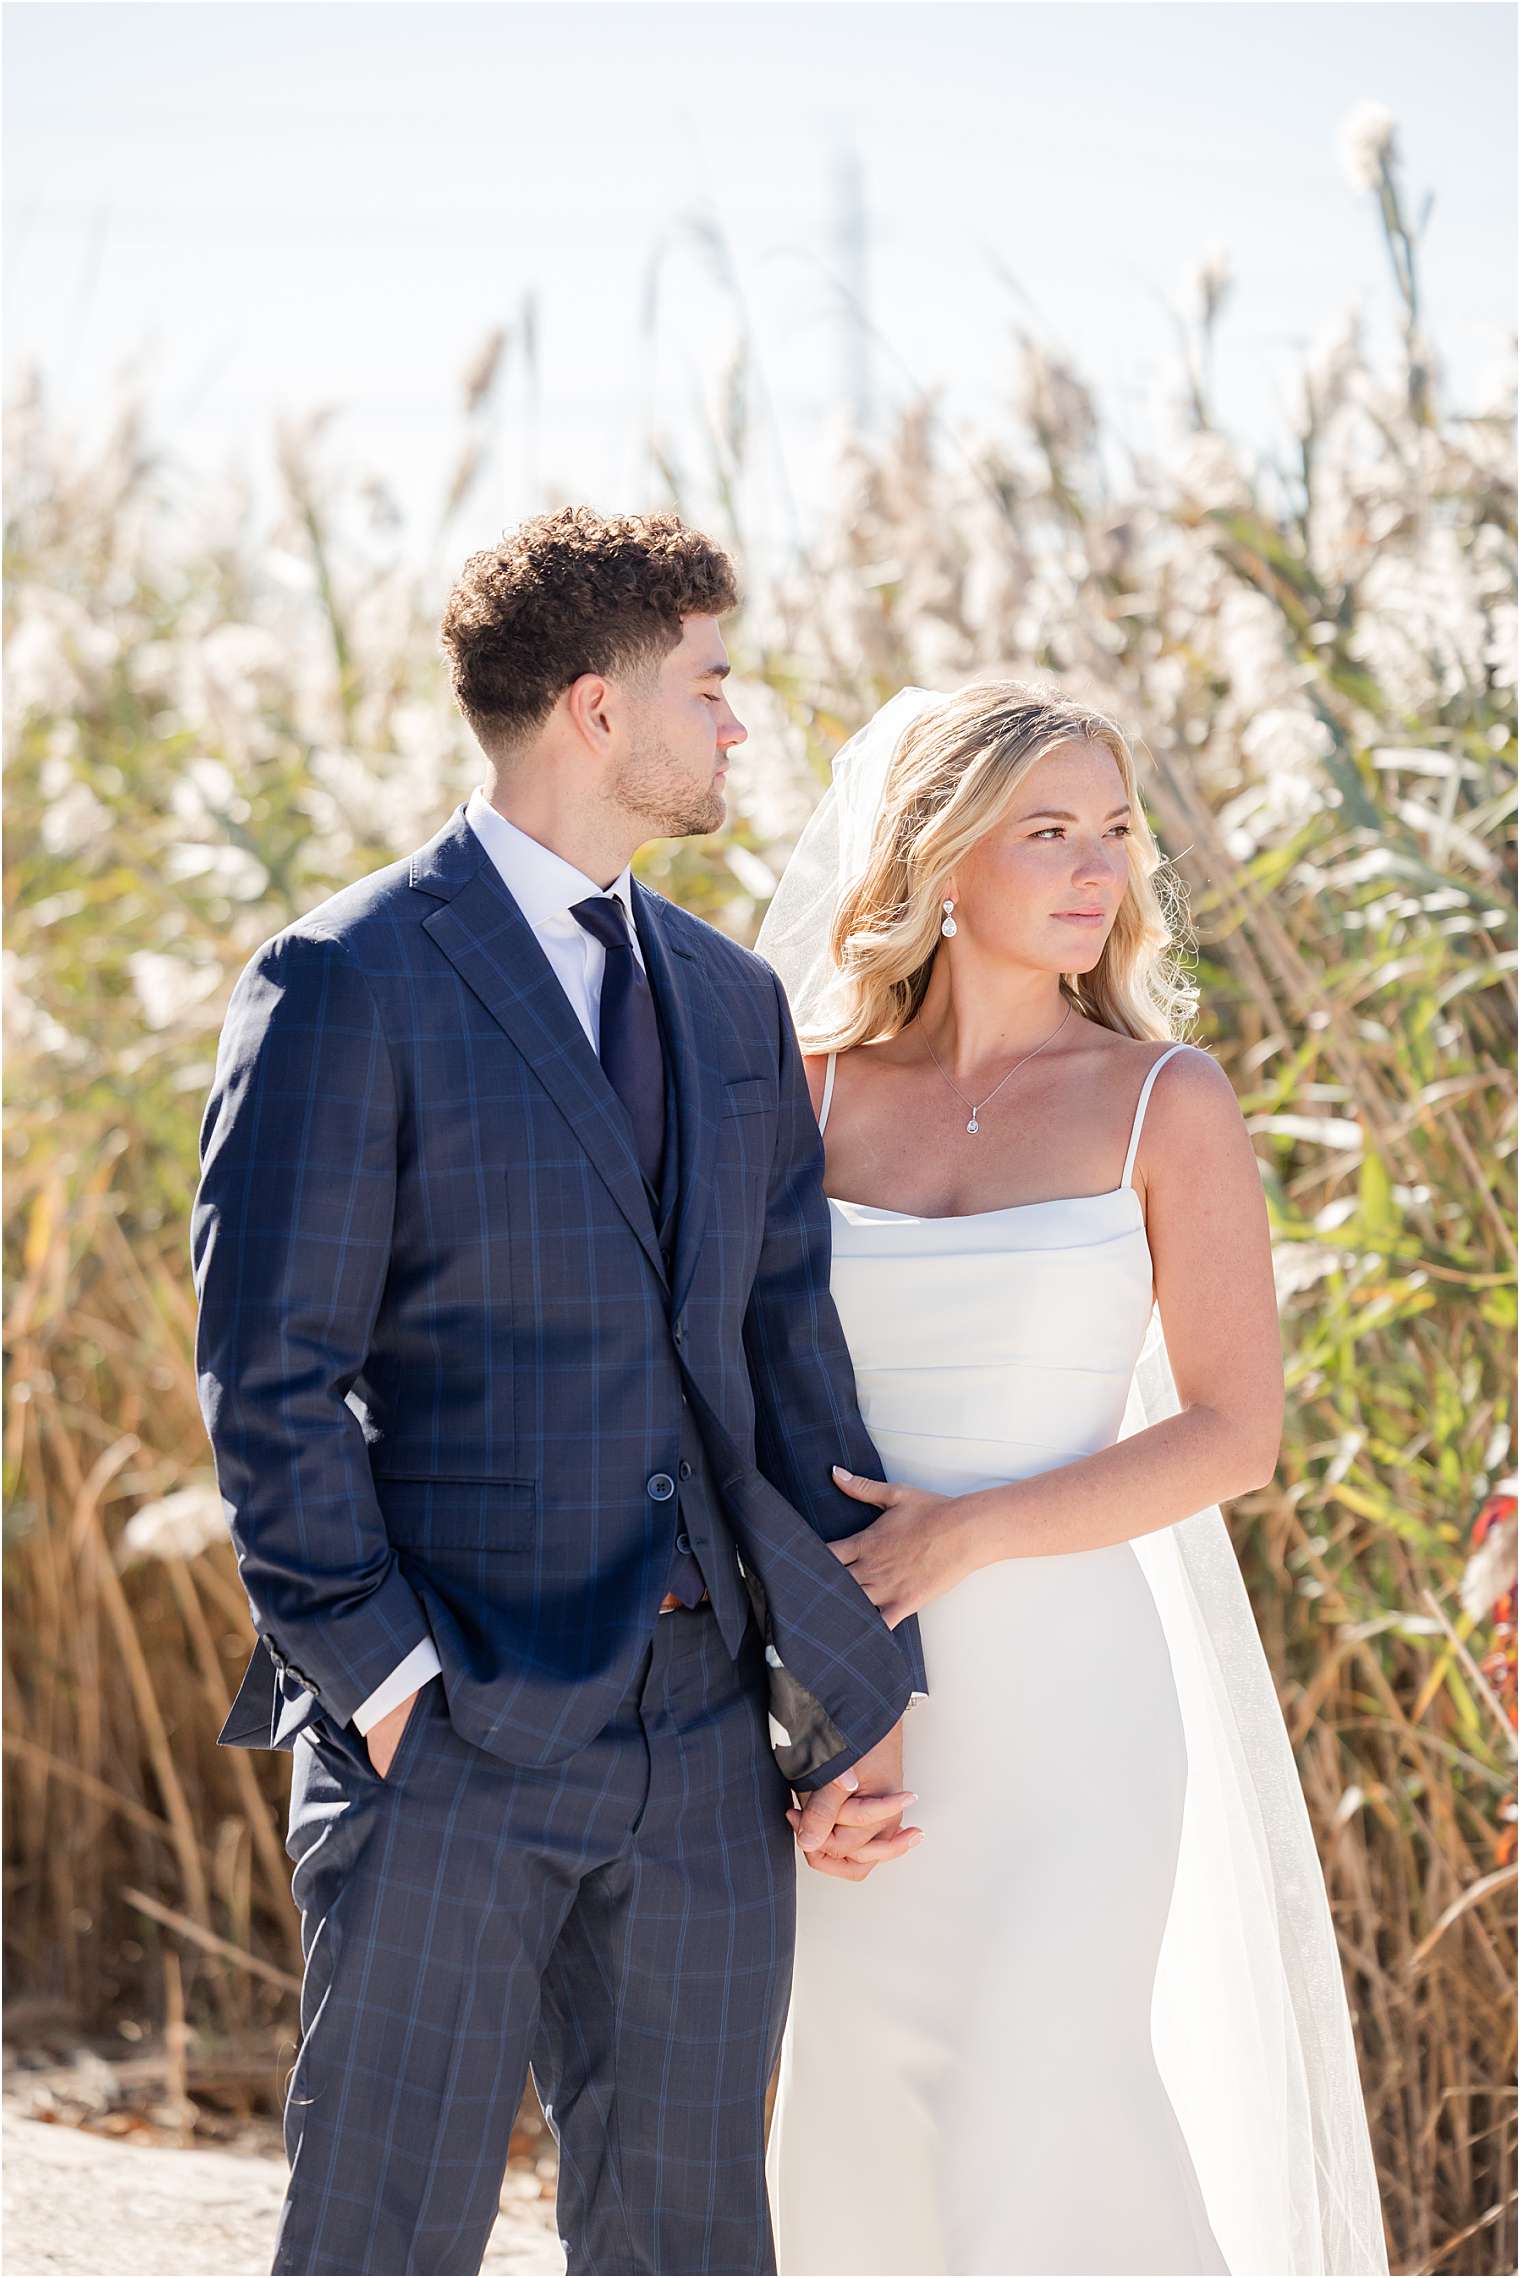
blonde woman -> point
(1095, 2021)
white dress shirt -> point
(545, 888)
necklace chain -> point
(976, 1106)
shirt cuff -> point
(914, 1699)
(420, 1664)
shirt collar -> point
(543, 884)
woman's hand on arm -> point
(919, 1547)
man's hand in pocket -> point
(384, 1735)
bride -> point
(1095, 2022)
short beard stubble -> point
(651, 787)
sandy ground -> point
(100, 2207)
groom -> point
(519, 1365)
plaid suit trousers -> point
(623, 1921)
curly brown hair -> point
(568, 593)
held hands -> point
(919, 1548)
(854, 1823)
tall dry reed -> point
(211, 728)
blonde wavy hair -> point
(952, 778)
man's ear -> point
(589, 702)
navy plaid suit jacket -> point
(439, 1354)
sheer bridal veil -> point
(1249, 2017)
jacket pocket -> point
(480, 1515)
(749, 1095)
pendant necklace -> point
(976, 1106)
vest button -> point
(662, 1487)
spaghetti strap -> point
(828, 1094)
(1151, 1074)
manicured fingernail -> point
(841, 1473)
(849, 1782)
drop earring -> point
(949, 929)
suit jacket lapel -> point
(670, 1170)
(485, 936)
(689, 1021)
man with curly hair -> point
(524, 1385)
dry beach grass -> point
(208, 733)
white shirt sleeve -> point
(420, 1664)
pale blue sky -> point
(333, 202)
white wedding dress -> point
(1092, 2024)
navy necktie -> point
(630, 1048)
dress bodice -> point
(1000, 1343)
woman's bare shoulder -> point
(1131, 1058)
(1193, 1073)
(815, 1066)
(1193, 1120)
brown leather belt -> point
(670, 1603)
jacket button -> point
(683, 1545)
(662, 1487)
(686, 1471)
